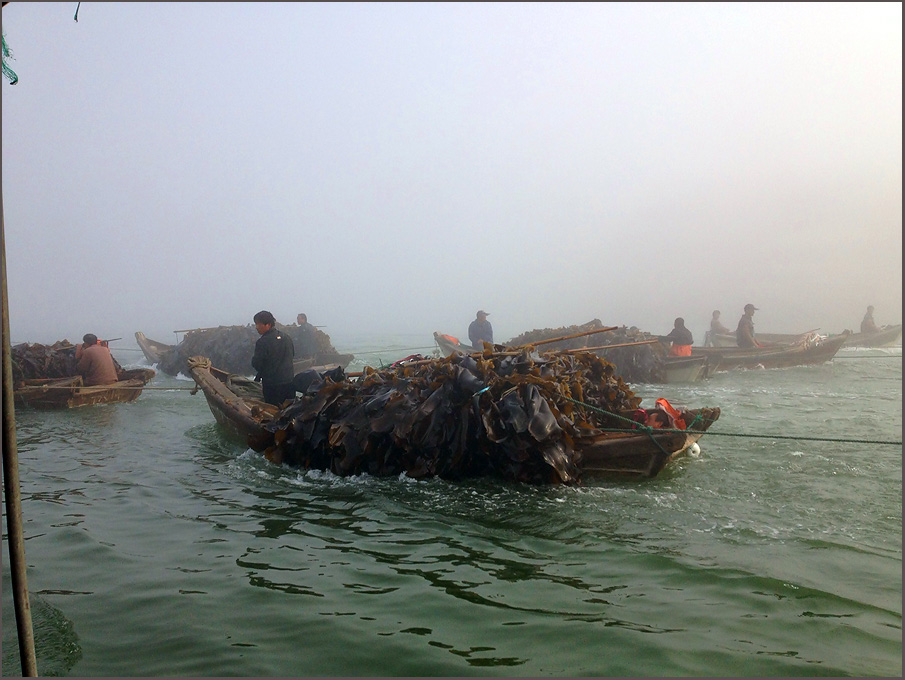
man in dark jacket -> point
(744, 334)
(480, 330)
(306, 335)
(273, 360)
(681, 339)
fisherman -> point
(306, 337)
(716, 328)
(868, 325)
(744, 334)
(680, 338)
(272, 360)
(480, 330)
(94, 361)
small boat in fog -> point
(71, 391)
(813, 349)
(888, 336)
(152, 349)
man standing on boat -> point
(680, 338)
(95, 362)
(868, 325)
(480, 330)
(744, 334)
(307, 337)
(273, 360)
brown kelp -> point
(230, 348)
(37, 361)
(520, 415)
(636, 363)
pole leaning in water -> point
(11, 488)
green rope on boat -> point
(734, 434)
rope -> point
(838, 440)
(872, 356)
(393, 349)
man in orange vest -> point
(681, 339)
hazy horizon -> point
(392, 168)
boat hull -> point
(642, 454)
(71, 392)
(885, 337)
(152, 349)
(809, 352)
(242, 416)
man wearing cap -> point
(480, 330)
(272, 360)
(744, 334)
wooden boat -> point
(814, 349)
(236, 404)
(152, 349)
(768, 339)
(678, 369)
(689, 369)
(886, 337)
(642, 454)
(71, 392)
(449, 344)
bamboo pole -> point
(624, 344)
(568, 337)
(12, 489)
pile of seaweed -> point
(635, 363)
(507, 414)
(230, 348)
(38, 362)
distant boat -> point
(813, 349)
(152, 349)
(769, 339)
(677, 369)
(71, 392)
(885, 337)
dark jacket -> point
(744, 334)
(307, 338)
(680, 336)
(480, 332)
(273, 356)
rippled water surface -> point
(157, 546)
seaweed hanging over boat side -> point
(638, 363)
(37, 361)
(504, 414)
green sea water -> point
(157, 546)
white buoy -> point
(694, 450)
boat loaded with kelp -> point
(557, 418)
(47, 377)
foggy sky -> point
(392, 168)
